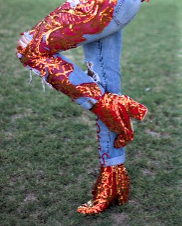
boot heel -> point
(122, 198)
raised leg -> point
(69, 25)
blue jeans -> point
(102, 54)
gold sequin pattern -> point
(112, 184)
(58, 71)
(64, 28)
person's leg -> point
(103, 61)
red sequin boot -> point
(111, 185)
(115, 112)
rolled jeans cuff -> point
(115, 161)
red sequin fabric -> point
(64, 28)
(111, 185)
(115, 112)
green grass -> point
(48, 150)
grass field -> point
(48, 149)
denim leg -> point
(103, 62)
